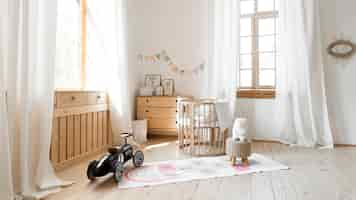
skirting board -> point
(278, 142)
(172, 132)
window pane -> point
(266, 43)
(245, 27)
(266, 26)
(267, 78)
(265, 5)
(245, 78)
(67, 66)
(246, 61)
(267, 60)
(247, 7)
(246, 45)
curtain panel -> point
(301, 83)
(29, 68)
(108, 59)
(223, 58)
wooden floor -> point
(314, 174)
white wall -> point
(181, 28)
(178, 26)
(339, 22)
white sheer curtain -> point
(68, 60)
(301, 87)
(6, 184)
(29, 68)
(107, 58)
(223, 49)
(221, 76)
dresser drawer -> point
(71, 99)
(158, 112)
(97, 98)
(161, 101)
(169, 123)
(155, 113)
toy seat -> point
(113, 150)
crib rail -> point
(199, 133)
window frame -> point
(83, 45)
(256, 90)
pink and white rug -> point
(174, 171)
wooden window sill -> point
(256, 93)
(78, 90)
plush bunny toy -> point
(240, 129)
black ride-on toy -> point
(114, 161)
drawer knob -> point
(147, 111)
(73, 98)
(98, 97)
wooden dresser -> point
(160, 112)
(81, 126)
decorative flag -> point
(163, 56)
(158, 56)
(140, 58)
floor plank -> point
(314, 174)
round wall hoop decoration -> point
(342, 49)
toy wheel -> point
(90, 170)
(138, 158)
(119, 171)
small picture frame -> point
(168, 87)
(152, 80)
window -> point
(259, 36)
(70, 70)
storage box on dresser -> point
(160, 112)
(81, 126)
